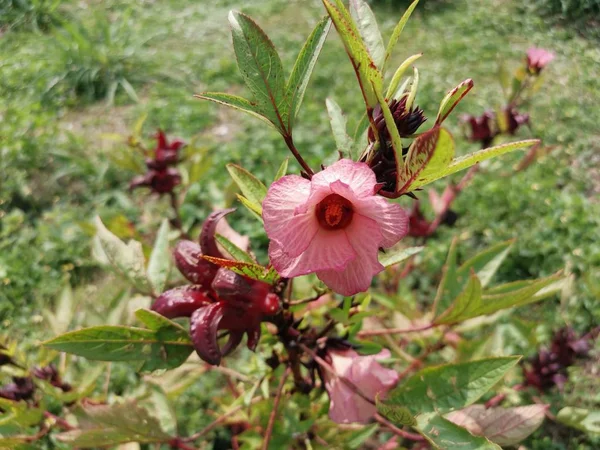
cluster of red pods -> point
(217, 299)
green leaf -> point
(282, 169)
(237, 253)
(261, 68)
(414, 86)
(159, 265)
(20, 414)
(62, 316)
(337, 119)
(397, 254)
(252, 188)
(398, 31)
(393, 87)
(392, 129)
(126, 259)
(303, 68)
(368, 29)
(164, 345)
(398, 415)
(255, 209)
(453, 386)
(444, 294)
(581, 419)
(108, 425)
(358, 438)
(464, 162)
(430, 153)
(503, 426)
(465, 305)
(485, 263)
(235, 102)
(452, 99)
(443, 434)
(251, 270)
(369, 76)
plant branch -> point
(387, 331)
(290, 143)
(271, 423)
(403, 434)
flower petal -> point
(358, 176)
(327, 250)
(347, 407)
(283, 224)
(364, 237)
(391, 218)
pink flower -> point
(333, 225)
(367, 374)
(538, 58)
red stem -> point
(273, 414)
(290, 143)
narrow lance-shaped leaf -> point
(369, 76)
(282, 169)
(445, 388)
(393, 256)
(443, 296)
(445, 435)
(452, 99)
(237, 253)
(235, 102)
(393, 87)
(398, 31)
(303, 68)
(261, 68)
(159, 264)
(337, 119)
(368, 29)
(251, 270)
(252, 188)
(485, 263)
(464, 162)
(462, 306)
(414, 86)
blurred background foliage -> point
(75, 77)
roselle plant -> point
(344, 358)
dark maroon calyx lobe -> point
(189, 261)
(204, 325)
(182, 301)
(208, 243)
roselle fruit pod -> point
(204, 325)
(232, 287)
(181, 301)
(235, 337)
(189, 261)
(253, 337)
(208, 243)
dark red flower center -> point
(334, 212)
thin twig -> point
(271, 422)
(403, 434)
(62, 423)
(290, 143)
(386, 331)
(308, 299)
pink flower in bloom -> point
(538, 58)
(333, 225)
(367, 374)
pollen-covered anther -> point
(334, 212)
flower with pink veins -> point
(332, 225)
(364, 372)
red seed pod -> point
(181, 301)
(189, 261)
(233, 287)
(269, 305)
(204, 324)
(208, 242)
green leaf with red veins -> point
(398, 31)
(452, 99)
(159, 264)
(444, 435)
(464, 162)
(369, 76)
(235, 102)
(252, 188)
(503, 426)
(261, 68)
(368, 29)
(429, 154)
(251, 270)
(303, 68)
(443, 389)
(337, 120)
(110, 425)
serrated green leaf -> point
(251, 270)
(237, 253)
(444, 435)
(393, 87)
(261, 68)
(445, 388)
(452, 99)
(164, 347)
(398, 30)
(303, 68)
(235, 102)
(337, 119)
(252, 188)
(397, 254)
(369, 76)
(398, 415)
(282, 171)
(127, 259)
(159, 264)
(108, 425)
(369, 31)
(464, 162)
